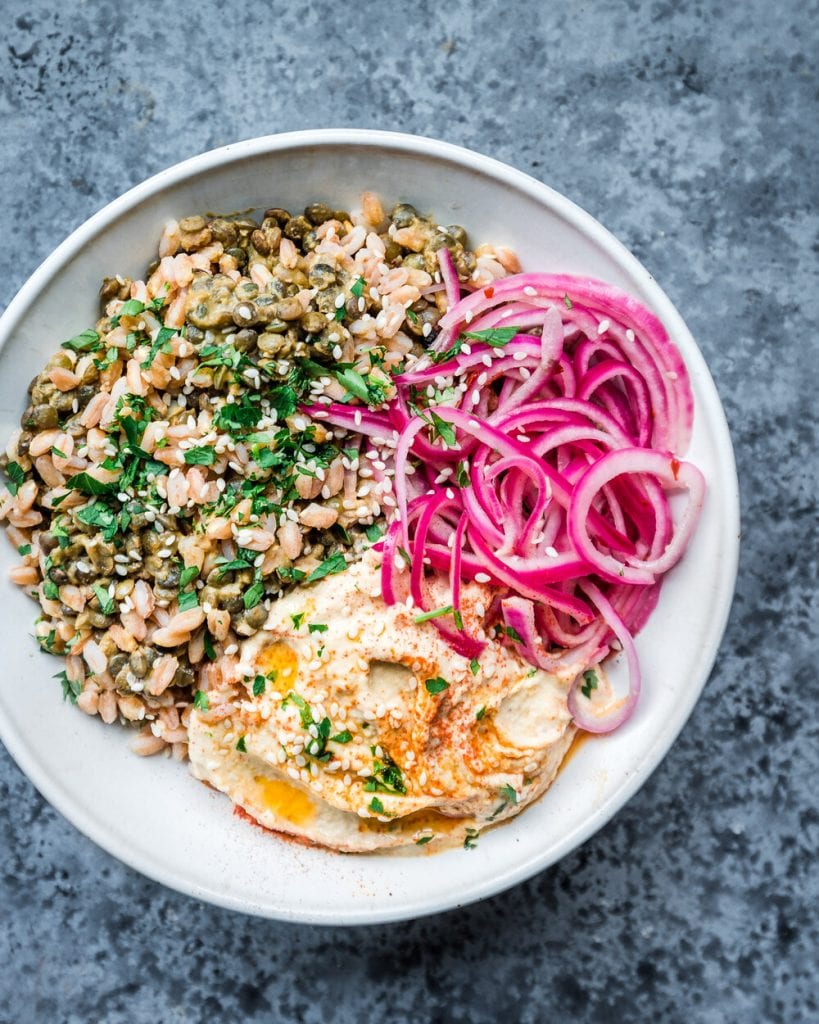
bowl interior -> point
(150, 812)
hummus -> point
(359, 729)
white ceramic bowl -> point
(150, 813)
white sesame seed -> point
(481, 577)
(551, 552)
(603, 326)
(529, 290)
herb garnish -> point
(200, 701)
(86, 341)
(589, 683)
(16, 475)
(436, 685)
(386, 776)
(72, 688)
(497, 337)
(436, 613)
(329, 567)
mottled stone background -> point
(689, 129)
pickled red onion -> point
(552, 454)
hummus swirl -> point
(360, 729)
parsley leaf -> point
(86, 341)
(87, 484)
(317, 627)
(509, 794)
(259, 686)
(161, 344)
(200, 700)
(241, 746)
(16, 475)
(72, 688)
(589, 683)
(298, 618)
(479, 714)
(329, 567)
(444, 429)
(376, 805)
(357, 288)
(436, 685)
(373, 533)
(567, 302)
(424, 840)
(189, 599)
(107, 606)
(188, 575)
(471, 840)
(345, 736)
(353, 382)
(474, 666)
(253, 595)
(202, 456)
(497, 337)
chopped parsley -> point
(567, 302)
(474, 666)
(241, 746)
(345, 736)
(259, 685)
(87, 484)
(479, 714)
(329, 567)
(24, 549)
(369, 391)
(436, 613)
(436, 685)
(373, 533)
(253, 595)
(86, 341)
(357, 288)
(317, 627)
(298, 619)
(106, 602)
(376, 805)
(316, 746)
(200, 701)
(513, 634)
(386, 776)
(589, 683)
(497, 337)
(509, 795)
(444, 430)
(210, 650)
(72, 688)
(16, 475)
(201, 456)
(471, 839)
(187, 600)
(188, 575)
(424, 840)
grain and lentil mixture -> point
(164, 486)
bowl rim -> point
(60, 798)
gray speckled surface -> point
(692, 135)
